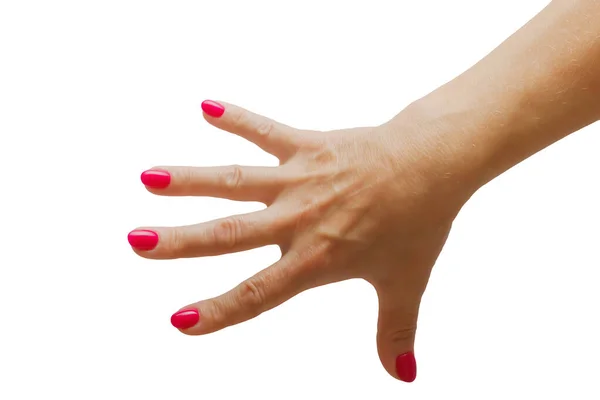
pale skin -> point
(378, 202)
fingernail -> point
(156, 179)
(185, 319)
(406, 367)
(142, 239)
(212, 108)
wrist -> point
(484, 128)
(451, 139)
(438, 150)
(533, 90)
(468, 132)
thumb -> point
(398, 312)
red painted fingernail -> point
(156, 179)
(213, 108)
(185, 319)
(406, 367)
(142, 239)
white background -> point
(94, 92)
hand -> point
(374, 203)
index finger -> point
(272, 136)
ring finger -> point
(222, 236)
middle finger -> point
(234, 182)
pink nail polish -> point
(142, 239)
(156, 179)
(406, 367)
(212, 108)
(185, 319)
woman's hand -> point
(374, 203)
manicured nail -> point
(212, 108)
(406, 367)
(142, 239)
(156, 179)
(185, 319)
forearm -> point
(537, 87)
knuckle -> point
(176, 243)
(240, 118)
(218, 312)
(403, 335)
(252, 296)
(308, 210)
(232, 177)
(318, 258)
(312, 141)
(325, 155)
(185, 178)
(266, 128)
(227, 232)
